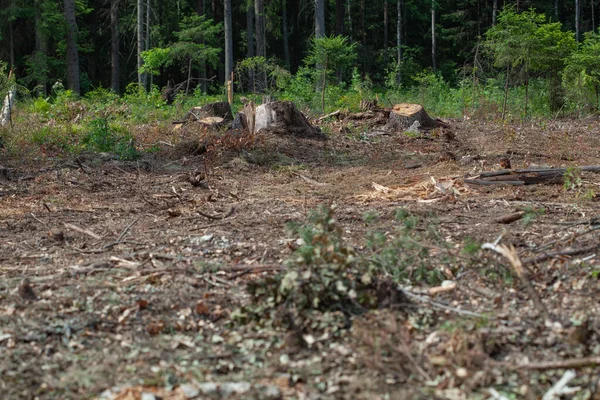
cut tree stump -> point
(404, 115)
(282, 117)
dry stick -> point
(562, 364)
(217, 217)
(122, 235)
(255, 269)
(572, 252)
(38, 220)
(510, 253)
(82, 230)
(571, 237)
(442, 306)
(333, 114)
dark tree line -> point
(92, 43)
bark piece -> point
(403, 115)
(282, 117)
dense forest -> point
(103, 43)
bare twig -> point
(122, 235)
(82, 230)
(560, 388)
(562, 364)
(511, 255)
(333, 114)
(38, 220)
(217, 217)
(570, 252)
(441, 306)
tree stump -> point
(403, 115)
(282, 117)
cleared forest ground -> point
(119, 278)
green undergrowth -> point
(61, 123)
(327, 281)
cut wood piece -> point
(510, 218)
(220, 109)
(211, 121)
(282, 117)
(403, 115)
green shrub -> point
(101, 137)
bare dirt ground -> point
(123, 278)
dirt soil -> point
(121, 279)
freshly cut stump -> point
(282, 117)
(403, 115)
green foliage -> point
(531, 214)
(329, 54)
(581, 76)
(526, 41)
(197, 46)
(572, 179)
(324, 276)
(248, 71)
(104, 138)
(513, 41)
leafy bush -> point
(104, 139)
(325, 278)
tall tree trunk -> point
(11, 41)
(349, 5)
(556, 10)
(339, 17)
(433, 58)
(250, 30)
(72, 53)
(114, 47)
(385, 33)
(259, 14)
(362, 22)
(40, 48)
(261, 47)
(147, 42)
(319, 18)
(399, 39)
(577, 20)
(200, 10)
(140, 41)
(593, 16)
(286, 39)
(228, 41)
(494, 12)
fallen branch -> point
(526, 176)
(122, 235)
(217, 217)
(511, 255)
(441, 306)
(84, 231)
(562, 364)
(509, 218)
(560, 388)
(333, 114)
(571, 252)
